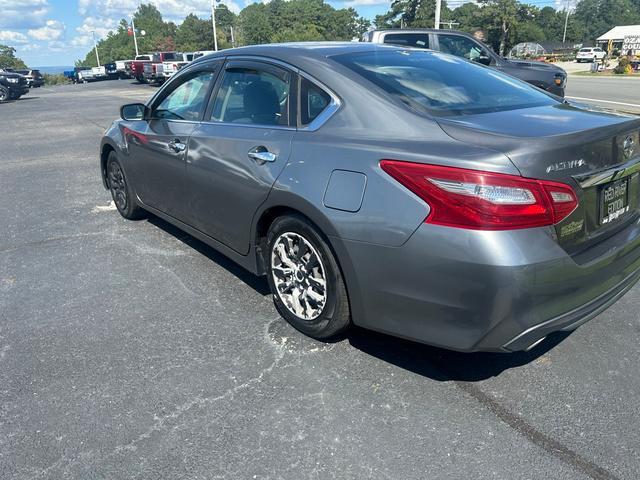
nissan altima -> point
(405, 191)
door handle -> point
(261, 155)
(177, 146)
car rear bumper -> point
(484, 291)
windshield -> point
(585, 49)
(442, 84)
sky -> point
(58, 32)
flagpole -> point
(135, 40)
(213, 22)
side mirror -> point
(483, 59)
(133, 111)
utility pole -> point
(233, 40)
(213, 22)
(438, 6)
(566, 21)
(95, 46)
(135, 39)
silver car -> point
(405, 191)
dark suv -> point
(12, 85)
(543, 75)
(34, 77)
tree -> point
(412, 14)
(502, 18)
(8, 58)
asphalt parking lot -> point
(129, 350)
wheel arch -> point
(270, 212)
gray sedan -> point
(405, 191)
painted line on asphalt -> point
(605, 101)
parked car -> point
(121, 68)
(12, 85)
(137, 67)
(590, 54)
(167, 69)
(549, 77)
(34, 77)
(402, 190)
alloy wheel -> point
(118, 185)
(299, 275)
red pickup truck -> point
(136, 67)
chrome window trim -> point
(329, 110)
(252, 125)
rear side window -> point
(418, 40)
(442, 84)
(252, 96)
(313, 101)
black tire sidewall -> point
(133, 211)
(7, 95)
(332, 319)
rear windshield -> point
(442, 84)
(585, 49)
(170, 56)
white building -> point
(623, 38)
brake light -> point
(479, 200)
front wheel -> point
(4, 94)
(305, 279)
(121, 191)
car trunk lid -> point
(588, 149)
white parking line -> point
(605, 101)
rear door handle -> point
(177, 146)
(261, 155)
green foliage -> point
(298, 20)
(412, 14)
(623, 67)
(55, 79)
(8, 58)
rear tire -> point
(121, 191)
(305, 279)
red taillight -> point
(478, 200)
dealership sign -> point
(631, 42)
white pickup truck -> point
(164, 70)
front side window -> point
(313, 100)
(187, 101)
(417, 40)
(460, 46)
(441, 84)
(252, 96)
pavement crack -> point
(550, 445)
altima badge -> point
(628, 146)
(556, 167)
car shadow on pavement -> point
(432, 362)
(446, 365)
(259, 284)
